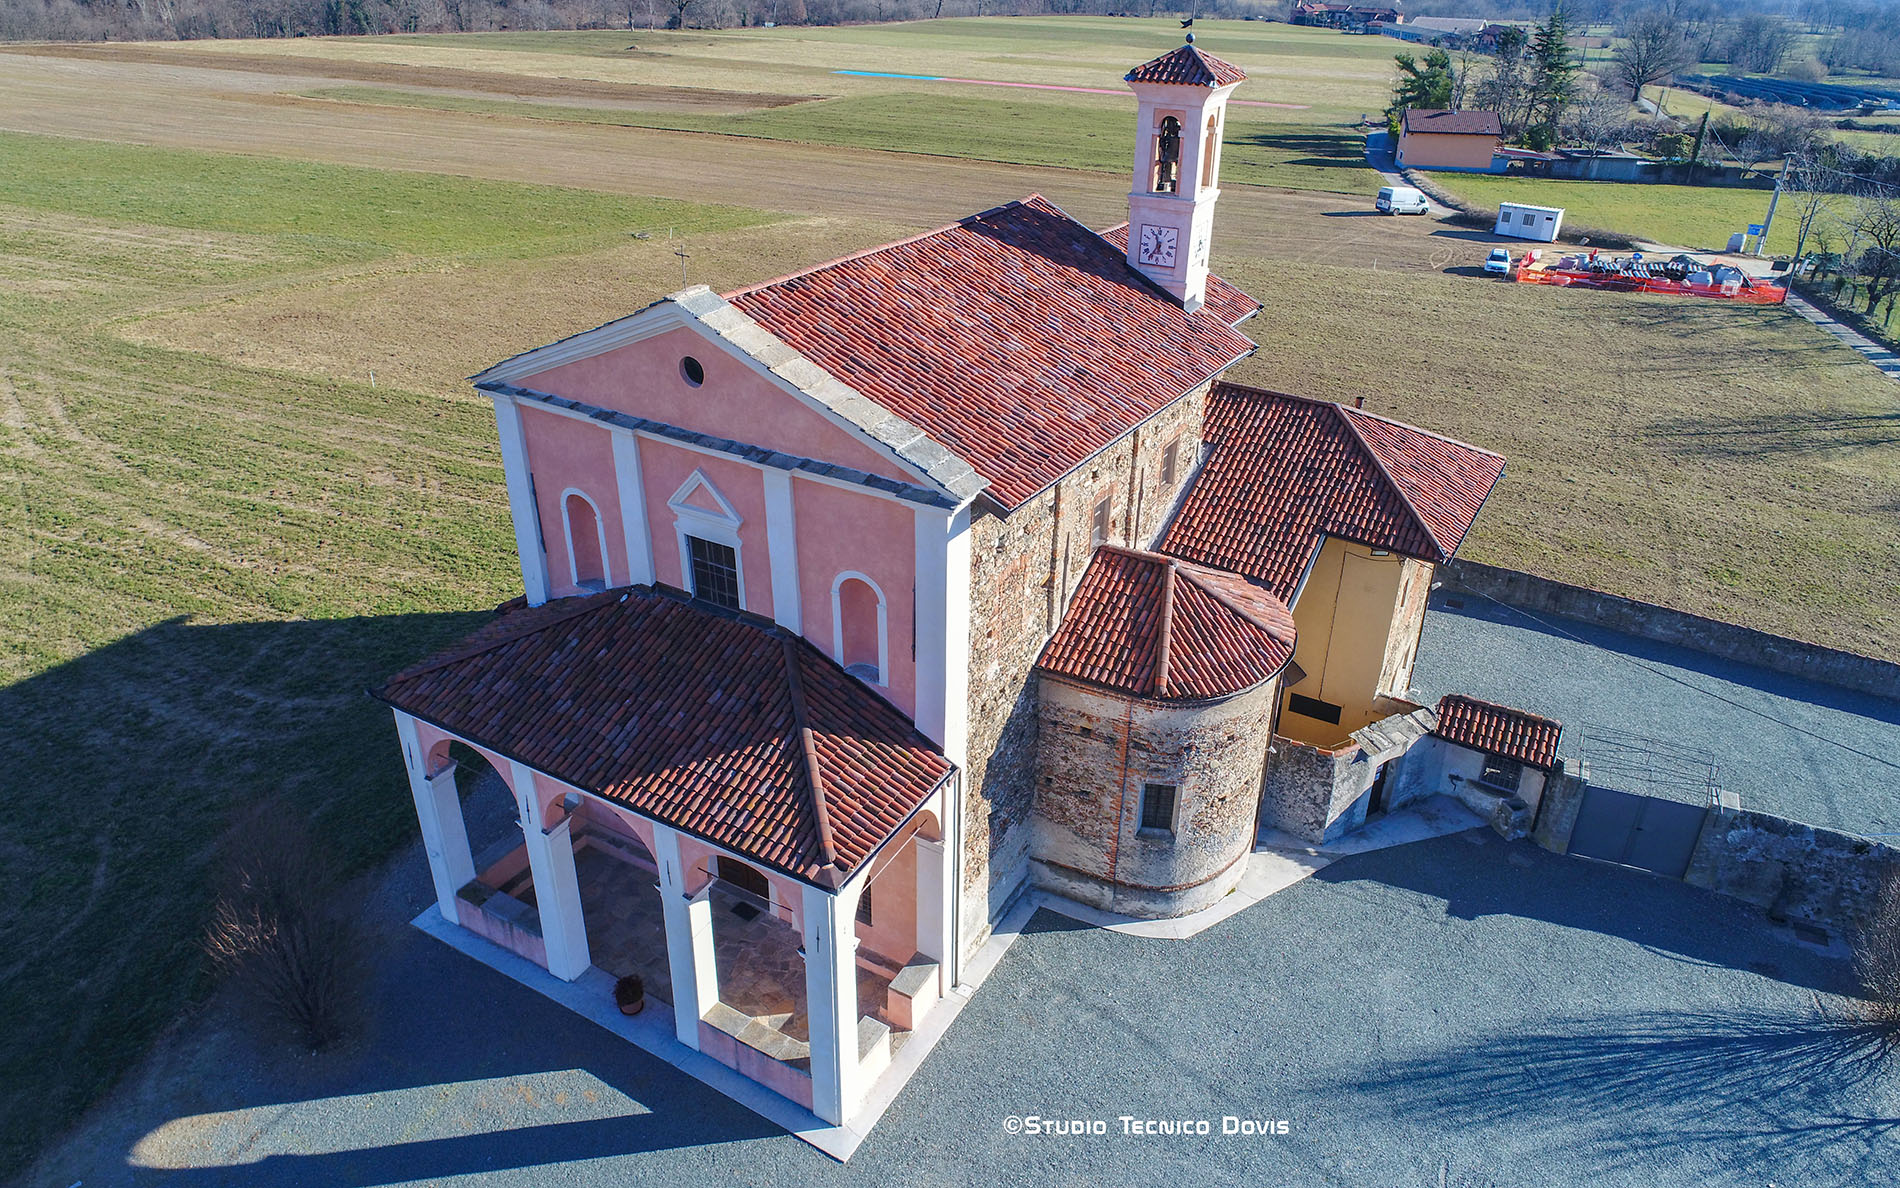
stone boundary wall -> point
(1795, 871)
(1792, 657)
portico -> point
(801, 952)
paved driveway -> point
(1786, 746)
(1456, 1012)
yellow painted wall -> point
(1346, 617)
(1444, 150)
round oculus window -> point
(692, 371)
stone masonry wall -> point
(1097, 749)
(1828, 666)
(1795, 871)
(1023, 569)
(1408, 621)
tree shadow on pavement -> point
(1740, 1087)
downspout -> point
(1121, 806)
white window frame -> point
(600, 534)
(721, 527)
(883, 624)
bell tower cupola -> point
(1182, 98)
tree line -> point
(94, 20)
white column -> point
(439, 810)
(557, 889)
(781, 541)
(943, 628)
(633, 509)
(689, 938)
(933, 899)
(831, 1000)
(514, 464)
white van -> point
(1396, 200)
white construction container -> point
(1520, 221)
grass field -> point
(1701, 217)
(224, 527)
(202, 564)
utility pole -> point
(1768, 224)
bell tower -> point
(1182, 108)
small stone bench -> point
(914, 990)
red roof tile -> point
(1455, 123)
(1499, 730)
(1223, 300)
(1019, 339)
(1159, 628)
(1188, 67)
(692, 716)
(1286, 470)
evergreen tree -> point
(1427, 87)
(1553, 78)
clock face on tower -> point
(1157, 246)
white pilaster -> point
(557, 889)
(527, 517)
(781, 541)
(633, 509)
(689, 938)
(439, 811)
(943, 628)
(831, 1000)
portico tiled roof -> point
(1018, 338)
(1187, 66)
(1499, 730)
(1287, 470)
(1224, 301)
(1160, 628)
(716, 723)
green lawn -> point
(203, 564)
(1701, 217)
(1079, 132)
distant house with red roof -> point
(859, 602)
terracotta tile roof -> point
(1456, 123)
(1223, 300)
(1018, 338)
(1160, 628)
(1286, 470)
(1499, 730)
(717, 724)
(1189, 67)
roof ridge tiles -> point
(814, 772)
(1398, 489)
(1409, 428)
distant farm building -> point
(1459, 141)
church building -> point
(862, 602)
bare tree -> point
(1597, 119)
(1875, 220)
(1760, 43)
(1653, 51)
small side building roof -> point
(1499, 730)
(1163, 629)
(716, 723)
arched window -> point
(1168, 157)
(859, 627)
(1209, 151)
(586, 543)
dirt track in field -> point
(120, 97)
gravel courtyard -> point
(1463, 1011)
(1790, 747)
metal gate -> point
(1644, 801)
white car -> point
(1498, 262)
